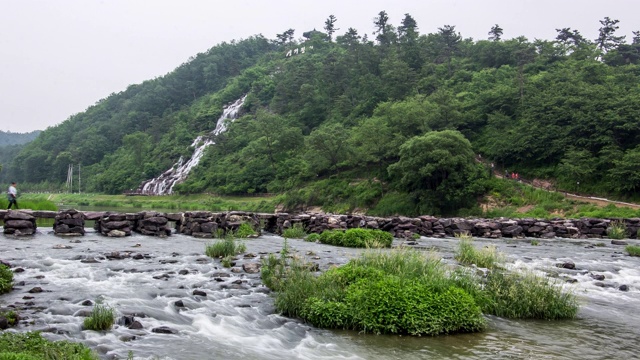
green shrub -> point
(617, 230)
(404, 291)
(357, 238)
(393, 305)
(312, 237)
(486, 257)
(535, 242)
(101, 317)
(32, 346)
(11, 316)
(223, 248)
(397, 292)
(527, 296)
(6, 279)
(633, 250)
(244, 231)
(294, 232)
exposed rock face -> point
(19, 223)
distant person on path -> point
(12, 196)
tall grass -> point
(487, 257)
(617, 230)
(294, 232)
(525, 295)
(224, 248)
(244, 231)
(633, 250)
(6, 279)
(101, 318)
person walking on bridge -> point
(12, 196)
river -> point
(236, 318)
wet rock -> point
(168, 261)
(89, 261)
(138, 257)
(251, 268)
(236, 270)
(599, 284)
(126, 320)
(18, 270)
(136, 325)
(164, 330)
(82, 313)
(36, 290)
(87, 303)
(62, 246)
(127, 338)
(623, 288)
(4, 323)
(19, 283)
(199, 293)
(598, 277)
(39, 277)
(572, 281)
(567, 265)
(27, 297)
(203, 260)
(179, 304)
(618, 242)
(183, 272)
(116, 233)
(218, 279)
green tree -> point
(327, 148)
(495, 33)
(439, 168)
(606, 36)
(577, 167)
(330, 27)
(625, 174)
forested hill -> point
(11, 138)
(368, 122)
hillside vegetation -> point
(392, 124)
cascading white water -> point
(163, 184)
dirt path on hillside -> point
(590, 199)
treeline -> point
(392, 124)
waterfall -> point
(163, 184)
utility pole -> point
(70, 178)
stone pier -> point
(208, 224)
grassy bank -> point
(31, 202)
(32, 346)
(203, 202)
(503, 198)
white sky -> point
(59, 57)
